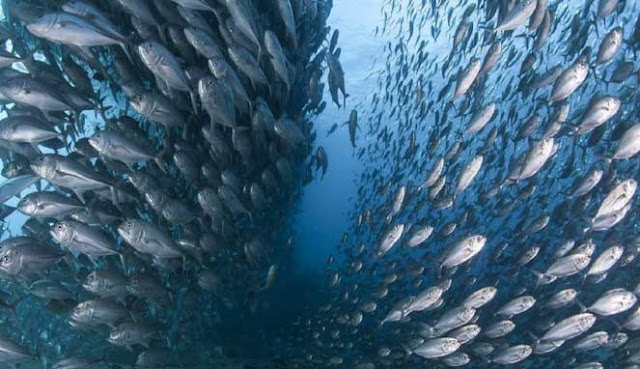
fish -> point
(26, 129)
(14, 186)
(218, 100)
(570, 327)
(609, 46)
(466, 78)
(570, 80)
(468, 174)
(613, 302)
(28, 259)
(463, 251)
(480, 119)
(28, 91)
(600, 111)
(149, 239)
(512, 354)
(437, 347)
(98, 312)
(518, 15)
(119, 147)
(12, 352)
(168, 167)
(73, 29)
(80, 238)
(49, 204)
(391, 237)
(127, 334)
(165, 65)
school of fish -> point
(151, 152)
(495, 223)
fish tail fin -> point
(162, 30)
(388, 218)
(583, 279)
(158, 159)
(534, 338)
(607, 158)
(407, 350)
(125, 48)
(194, 101)
(31, 53)
(428, 331)
(619, 327)
(123, 261)
(14, 306)
(39, 356)
(487, 27)
(199, 258)
(583, 308)
(539, 278)
(594, 20)
(8, 210)
(344, 99)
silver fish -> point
(149, 239)
(43, 204)
(518, 15)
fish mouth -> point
(123, 232)
(93, 142)
(33, 29)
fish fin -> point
(583, 308)
(162, 33)
(614, 322)
(123, 261)
(159, 161)
(8, 209)
(535, 338)
(607, 158)
(428, 331)
(344, 99)
(407, 350)
(194, 101)
(539, 278)
(14, 306)
(80, 195)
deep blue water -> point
(326, 237)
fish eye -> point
(59, 226)
(5, 259)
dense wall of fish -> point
(156, 148)
(497, 213)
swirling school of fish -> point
(155, 148)
(495, 222)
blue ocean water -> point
(426, 242)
